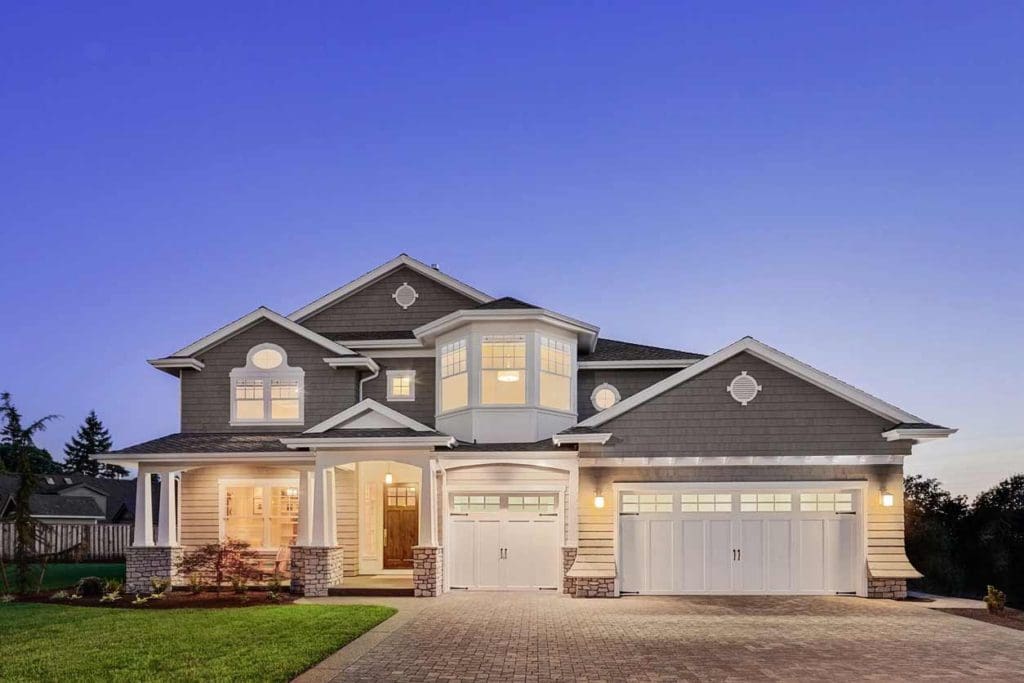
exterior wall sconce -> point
(388, 479)
(598, 500)
(887, 499)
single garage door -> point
(752, 541)
(504, 541)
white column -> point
(428, 505)
(572, 506)
(324, 522)
(305, 508)
(167, 532)
(143, 509)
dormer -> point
(506, 371)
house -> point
(73, 499)
(409, 424)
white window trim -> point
(528, 369)
(441, 377)
(283, 371)
(570, 352)
(599, 387)
(411, 374)
(222, 504)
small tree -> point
(91, 440)
(18, 439)
(230, 560)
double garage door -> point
(504, 541)
(750, 541)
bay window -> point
(266, 390)
(555, 374)
(454, 376)
(263, 514)
(503, 370)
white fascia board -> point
(176, 364)
(586, 333)
(241, 458)
(353, 362)
(598, 438)
(769, 355)
(635, 364)
(384, 344)
(740, 460)
(368, 404)
(400, 353)
(261, 313)
(379, 272)
(918, 434)
(381, 442)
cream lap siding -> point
(373, 309)
(347, 514)
(628, 382)
(595, 555)
(887, 556)
(788, 417)
(422, 409)
(206, 394)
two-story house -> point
(409, 424)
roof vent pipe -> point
(436, 266)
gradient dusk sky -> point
(843, 183)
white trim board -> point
(742, 460)
(828, 484)
(586, 334)
(367, 443)
(636, 364)
(379, 272)
(368, 404)
(769, 355)
(920, 434)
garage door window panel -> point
(826, 502)
(766, 502)
(706, 502)
(646, 502)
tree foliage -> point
(216, 563)
(91, 440)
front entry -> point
(401, 525)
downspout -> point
(366, 379)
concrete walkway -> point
(547, 637)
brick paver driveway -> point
(539, 637)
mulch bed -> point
(1010, 618)
(177, 599)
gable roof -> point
(504, 303)
(380, 271)
(770, 355)
(369, 405)
(50, 505)
(614, 350)
(262, 313)
(119, 492)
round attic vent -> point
(743, 388)
(405, 296)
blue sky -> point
(846, 184)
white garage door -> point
(751, 541)
(504, 541)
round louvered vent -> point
(405, 296)
(743, 388)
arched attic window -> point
(267, 391)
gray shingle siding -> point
(789, 417)
(206, 394)
(628, 382)
(422, 409)
(372, 308)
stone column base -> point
(568, 583)
(314, 570)
(427, 571)
(890, 589)
(148, 562)
(593, 588)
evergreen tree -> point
(91, 440)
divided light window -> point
(401, 385)
(454, 376)
(555, 374)
(262, 515)
(503, 373)
(766, 502)
(647, 502)
(706, 502)
(266, 390)
(826, 502)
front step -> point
(370, 592)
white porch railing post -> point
(305, 508)
(167, 533)
(428, 505)
(143, 509)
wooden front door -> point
(401, 525)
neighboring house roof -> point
(120, 493)
(616, 350)
(52, 505)
(504, 303)
(380, 271)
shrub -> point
(60, 595)
(195, 583)
(239, 584)
(996, 600)
(113, 586)
(273, 596)
(90, 587)
(6, 598)
(140, 599)
(112, 596)
(159, 585)
(225, 561)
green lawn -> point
(64, 575)
(272, 643)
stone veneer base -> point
(144, 563)
(314, 570)
(590, 587)
(427, 571)
(568, 557)
(890, 589)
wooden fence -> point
(82, 542)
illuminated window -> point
(531, 504)
(826, 502)
(401, 385)
(604, 396)
(266, 390)
(706, 502)
(766, 502)
(555, 374)
(463, 504)
(503, 370)
(262, 515)
(647, 502)
(454, 376)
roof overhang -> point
(430, 441)
(284, 457)
(600, 438)
(674, 363)
(379, 272)
(353, 362)
(368, 405)
(585, 332)
(169, 364)
(384, 344)
(929, 434)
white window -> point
(503, 370)
(826, 502)
(266, 390)
(263, 514)
(766, 502)
(476, 503)
(401, 385)
(604, 396)
(454, 376)
(555, 374)
(706, 502)
(531, 504)
(646, 502)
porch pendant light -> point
(388, 479)
(598, 500)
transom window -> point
(267, 390)
(826, 502)
(476, 503)
(503, 375)
(706, 502)
(531, 503)
(647, 502)
(264, 515)
(401, 496)
(454, 376)
(555, 374)
(766, 502)
(401, 385)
